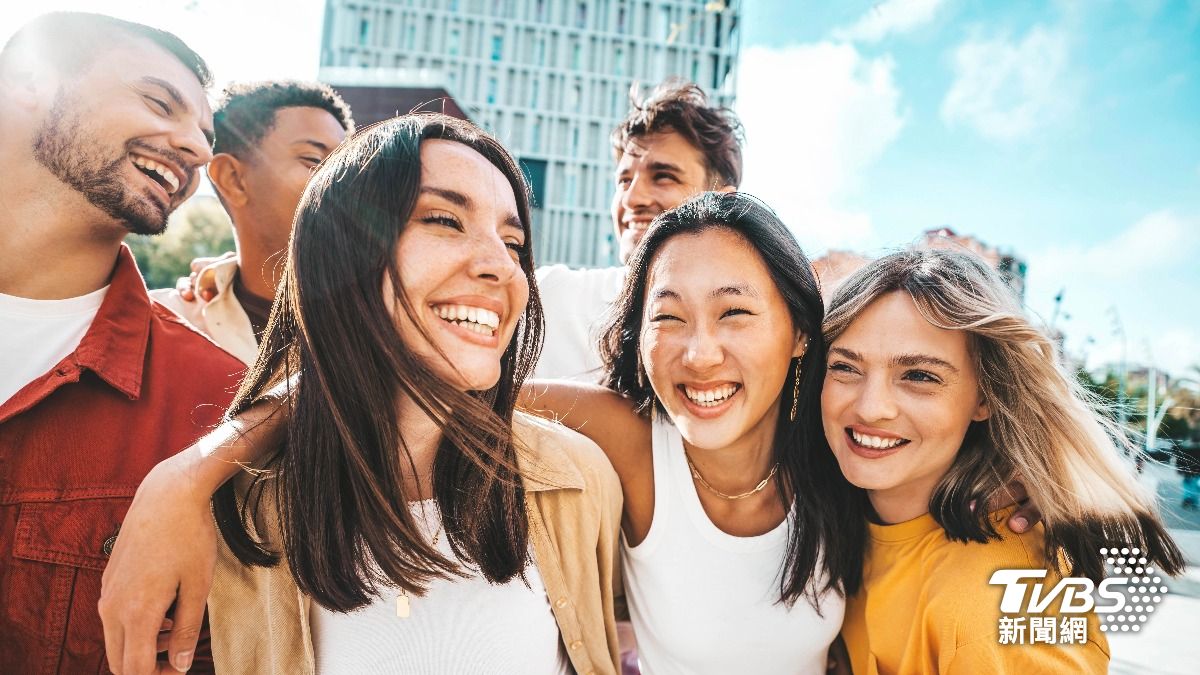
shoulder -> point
(958, 578)
(559, 445)
(171, 331)
(564, 453)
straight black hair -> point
(827, 535)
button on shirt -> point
(74, 445)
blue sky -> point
(1066, 132)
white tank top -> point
(463, 626)
(703, 601)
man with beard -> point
(103, 127)
(270, 137)
(671, 147)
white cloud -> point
(1005, 89)
(892, 16)
(816, 116)
(1147, 273)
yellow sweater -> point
(926, 607)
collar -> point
(114, 347)
(542, 455)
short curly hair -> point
(681, 106)
(246, 111)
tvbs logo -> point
(1128, 596)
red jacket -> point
(74, 444)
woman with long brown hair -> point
(938, 391)
(409, 520)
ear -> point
(982, 411)
(801, 345)
(225, 172)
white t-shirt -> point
(36, 334)
(706, 602)
(576, 304)
(464, 626)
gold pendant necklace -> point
(757, 488)
(403, 602)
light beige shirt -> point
(259, 618)
(222, 319)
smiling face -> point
(278, 168)
(717, 339)
(129, 134)
(898, 398)
(654, 173)
(458, 258)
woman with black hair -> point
(740, 540)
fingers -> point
(1025, 517)
(183, 286)
(114, 639)
(206, 283)
(189, 618)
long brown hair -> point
(827, 533)
(332, 345)
(1043, 427)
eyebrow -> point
(464, 202)
(453, 196)
(907, 360)
(652, 166)
(735, 289)
(177, 97)
(316, 144)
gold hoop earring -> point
(796, 390)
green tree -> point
(198, 228)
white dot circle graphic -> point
(1124, 551)
(1136, 627)
(1104, 551)
(1156, 579)
(1125, 628)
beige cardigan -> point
(259, 618)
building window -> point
(540, 51)
(533, 96)
(621, 20)
(364, 31)
(581, 17)
(536, 133)
(619, 62)
(576, 54)
(491, 91)
(497, 45)
(454, 42)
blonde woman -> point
(937, 391)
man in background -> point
(104, 125)
(671, 147)
(270, 137)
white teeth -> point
(876, 442)
(166, 174)
(474, 319)
(710, 397)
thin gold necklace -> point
(403, 602)
(757, 488)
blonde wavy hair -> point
(1044, 430)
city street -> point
(1170, 644)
